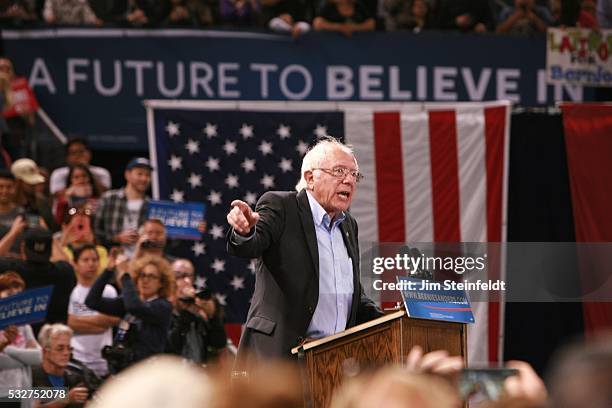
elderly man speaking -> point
(307, 283)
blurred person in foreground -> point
(196, 328)
(143, 307)
(163, 382)
(307, 279)
(19, 350)
(582, 374)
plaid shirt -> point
(111, 211)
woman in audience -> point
(82, 188)
(76, 232)
(19, 350)
(92, 330)
(407, 15)
(344, 16)
(143, 306)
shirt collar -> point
(319, 215)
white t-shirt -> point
(58, 181)
(88, 347)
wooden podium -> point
(386, 340)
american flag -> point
(434, 173)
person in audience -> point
(22, 123)
(285, 16)
(109, 11)
(525, 17)
(121, 212)
(239, 12)
(55, 342)
(143, 306)
(83, 190)
(145, 13)
(604, 13)
(407, 15)
(19, 350)
(92, 330)
(581, 374)
(18, 13)
(344, 16)
(37, 270)
(77, 232)
(196, 328)
(573, 13)
(78, 153)
(193, 13)
(28, 194)
(152, 240)
(70, 12)
(464, 15)
(8, 208)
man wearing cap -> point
(121, 212)
(37, 270)
(28, 177)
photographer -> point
(152, 240)
(196, 328)
(143, 306)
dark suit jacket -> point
(287, 277)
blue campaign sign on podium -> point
(426, 299)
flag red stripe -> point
(587, 137)
(389, 176)
(444, 176)
(495, 126)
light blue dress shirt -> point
(335, 275)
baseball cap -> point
(26, 170)
(139, 162)
(37, 244)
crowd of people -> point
(300, 16)
(119, 296)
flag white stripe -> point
(359, 132)
(472, 174)
(417, 177)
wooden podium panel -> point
(386, 340)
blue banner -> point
(425, 299)
(181, 219)
(92, 82)
(26, 307)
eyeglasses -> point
(83, 211)
(183, 275)
(150, 276)
(342, 172)
(61, 349)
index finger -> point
(244, 207)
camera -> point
(118, 356)
(149, 244)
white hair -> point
(317, 155)
(48, 331)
